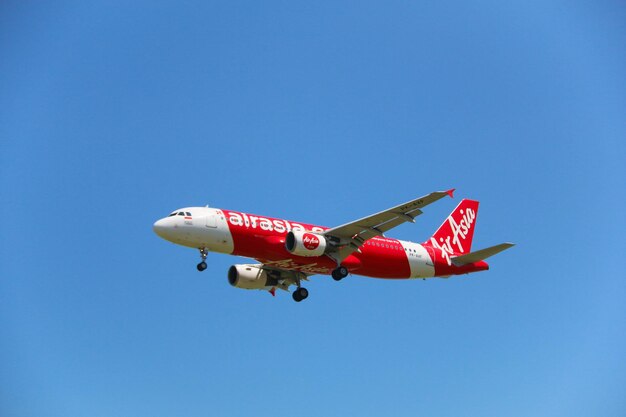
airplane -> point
(290, 252)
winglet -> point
(450, 192)
(273, 291)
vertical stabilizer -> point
(456, 233)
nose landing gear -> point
(203, 254)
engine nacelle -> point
(249, 277)
(303, 243)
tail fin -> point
(457, 231)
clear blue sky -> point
(113, 115)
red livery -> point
(289, 252)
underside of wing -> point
(267, 278)
(285, 277)
(263, 277)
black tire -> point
(201, 266)
(300, 294)
(339, 273)
(304, 293)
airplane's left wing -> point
(265, 277)
(284, 277)
(348, 237)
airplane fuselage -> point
(263, 238)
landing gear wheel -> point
(203, 254)
(339, 273)
(300, 294)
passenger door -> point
(211, 220)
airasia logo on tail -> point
(462, 228)
(310, 241)
(454, 237)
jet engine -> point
(250, 277)
(303, 243)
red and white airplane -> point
(289, 252)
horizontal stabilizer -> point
(480, 255)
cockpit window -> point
(188, 214)
(173, 214)
(180, 213)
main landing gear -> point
(339, 273)
(202, 265)
(302, 293)
(299, 293)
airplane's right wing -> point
(350, 236)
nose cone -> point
(161, 228)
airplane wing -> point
(348, 237)
(284, 277)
